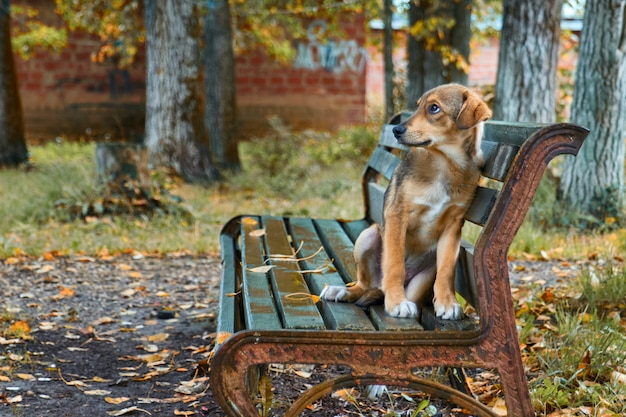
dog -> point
(414, 252)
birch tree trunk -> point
(219, 85)
(428, 64)
(13, 149)
(176, 136)
(593, 182)
(527, 67)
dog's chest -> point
(432, 200)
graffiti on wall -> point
(339, 56)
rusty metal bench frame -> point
(517, 155)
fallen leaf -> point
(135, 274)
(127, 410)
(13, 400)
(118, 400)
(97, 392)
(261, 269)
(63, 293)
(184, 413)
(257, 233)
(45, 269)
(159, 337)
(11, 261)
(19, 327)
(26, 377)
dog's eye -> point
(434, 109)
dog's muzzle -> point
(398, 132)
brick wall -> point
(323, 88)
(67, 93)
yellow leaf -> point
(159, 337)
(124, 267)
(302, 296)
(184, 413)
(135, 274)
(162, 294)
(118, 400)
(249, 221)
(25, 377)
(12, 261)
(4, 378)
(19, 327)
(98, 379)
(222, 336)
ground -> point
(128, 334)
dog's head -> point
(450, 114)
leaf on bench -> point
(262, 269)
(301, 296)
(257, 233)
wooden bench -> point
(273, 267)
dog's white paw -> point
(405, 309)
(374, 392)
(453, 311)
(334, 293)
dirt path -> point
(124, 335)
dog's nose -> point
(398, 131)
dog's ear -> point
(473, 111)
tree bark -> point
(176, 135)
(13, 149)
(388, 56)
(428, 66)
(529, 51)
(593, 182)
(219, 85)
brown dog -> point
(425, 203)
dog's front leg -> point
(394, 273)
(445, 303)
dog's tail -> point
(373, 296)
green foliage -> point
(119, 23)
(31, 33)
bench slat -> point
(498, 159)
(480, 209)
(383, 161)
(260, 312)
(341, 316)
(384, 322)
(510, 132)
(298, 311)
(375, 201)
(354, 228)
(339, 247)
(227, 320)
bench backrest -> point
(501, 144)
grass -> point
(306, 174)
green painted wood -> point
(227, 316)
(498, 159)
(297, 311)
(510, 132)
(464, 283)
(354, 228)
(341, 316)
(339, 247)
(383, 322)
(376, 202)
(480, 209)
(431, 322)
(258, 300)
(384, 162)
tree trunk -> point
(428, 65)
(13, 149)
(529, 51)
(176, 135)
(593, 182)
(219, 85)
(388, 55)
